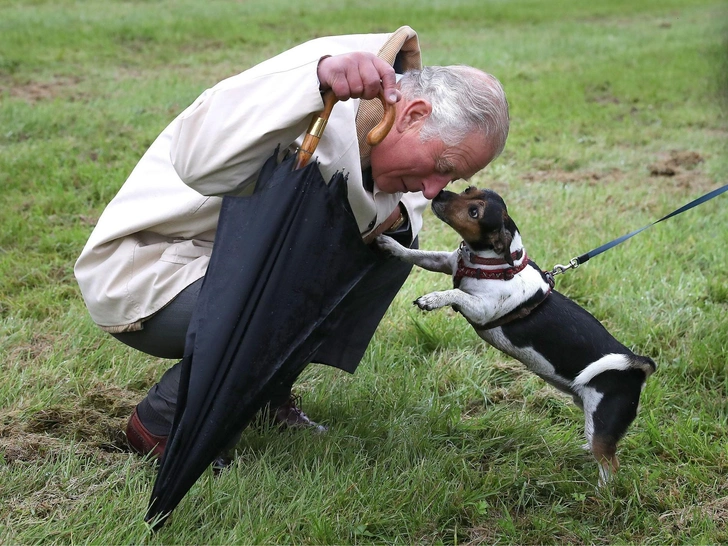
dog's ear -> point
(502, 238)
(502, 244)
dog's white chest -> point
(503, 296)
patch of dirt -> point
(96, 421)
(484, 534)
(37, 91)
(692, 181)
(91, 425)
(39, 347)
(676, 169)
(716, 511)
(573, 177)
(675, 162)
(87, 220)
(601, 94)
(26, 447)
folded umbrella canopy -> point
(283, 259)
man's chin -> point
(390, 186)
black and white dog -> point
(510, 302)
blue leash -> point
(576, 262)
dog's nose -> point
(443, 195)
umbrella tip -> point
(155, 519)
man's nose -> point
(434, 184)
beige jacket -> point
(155, 237)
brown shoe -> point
(142, 441)
(289, 415)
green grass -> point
(437, 438)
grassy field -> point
(618, 117)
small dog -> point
(511, 304)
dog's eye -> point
(473, 212)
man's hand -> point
(358, 75)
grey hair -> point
(464, 100)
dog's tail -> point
(644, 363)
(615, 361)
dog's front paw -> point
(389, 245)
(433, 300)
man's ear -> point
(413, 114)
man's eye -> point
(473, 212)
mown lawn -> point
(618, 117)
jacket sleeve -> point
(220, 142)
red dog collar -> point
(498, 274)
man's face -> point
(403, 163)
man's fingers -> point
(357, 84)
(389, 86)
(358, 75)
(372, 80)
(346, 84)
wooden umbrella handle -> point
(318, 124)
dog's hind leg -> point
(601, 446)
(610, 406)
(605, 452)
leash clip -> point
(559, 269)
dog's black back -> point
(570, 349)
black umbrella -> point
(283, 259)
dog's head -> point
(480, 217)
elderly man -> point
(141, 270)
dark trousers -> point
(348, 333)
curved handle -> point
(318, 124)
(376, 135)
